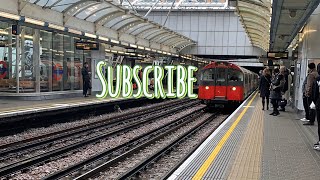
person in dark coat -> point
(316, 100)
(86, 79)
(264, 87)
(277, 84)
(307, 95)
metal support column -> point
(10, 54)
(154, 5)
(18, 52)
(72, 65)
(36, 58)
(168, 14)
(23, 54)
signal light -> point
(15, 30)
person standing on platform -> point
(285, 89)
(86, 79)
(264, 87)
(307, 96)
(316, 100)
(277, 84)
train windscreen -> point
(207, 75)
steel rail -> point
(57, 152)
(109, 153)
(94, 172)
(138, 168)
(46, 138)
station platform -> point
(251, 144)
(9, 108)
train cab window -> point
(235, 75)
(221, 75)
(207, 75)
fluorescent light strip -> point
(114, 51)
(9, 16)
(103, 38)
(90, 35)
(153, 50)
(107, 50)
(133, 45)
(53, 26)
(159, 51)
(75, 31)
(148, 49)
(114, 41)
(140, 47)
(124, 43)
(33, 21)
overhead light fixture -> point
(57, 27)
(133, 45)
(33, 21)
(115, 41)
(9, 16)
(73, 31)
(103, 38)
(148, 49)
(124, 43)
(90, 35)
(114, 51)
(140, 47)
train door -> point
(221, 83)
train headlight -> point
(234, 88)
(207, 87)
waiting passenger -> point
(316, 100)
(285, 88)
(276, 85)
(264, 87)
(86, 79)
(307, 95)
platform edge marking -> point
(204, 144)
(203, 169)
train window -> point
(235, 75)
(207, 75)
(221, 74)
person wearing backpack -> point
(264, 87)
(307, 95)
(277, 84)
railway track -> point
(130, 163)
(121, 125)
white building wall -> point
(309, 51)
(217, 32)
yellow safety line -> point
(203, 169)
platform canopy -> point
(98, 19)
(288, 18)
(255, 16)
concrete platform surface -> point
(251, 144)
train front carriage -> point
(224, 83)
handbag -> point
(312, 105)
(283, 102)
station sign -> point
(86, 45)
(278, 55)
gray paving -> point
(288, 149)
